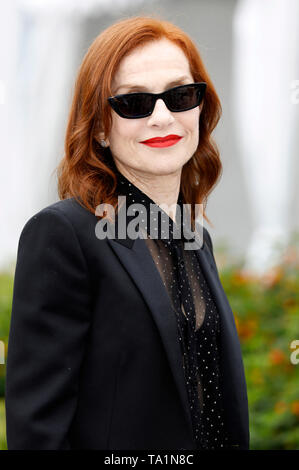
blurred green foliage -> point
(3, 445)
(6, 289)
(266, 311)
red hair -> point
(86, 170)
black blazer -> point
(93, 357)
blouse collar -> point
(134, 195)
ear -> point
(98, 138)
(102, 137)
(99, 134)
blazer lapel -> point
(137, 260)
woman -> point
(120, 342)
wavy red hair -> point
(86, 170)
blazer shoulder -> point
(69, 210)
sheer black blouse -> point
(197, 319)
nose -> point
(161, 114)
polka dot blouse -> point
(197, 318)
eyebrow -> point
(136, 87)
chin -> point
(165, 169)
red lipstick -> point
(166, 141)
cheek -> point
(191, 121)
(124, 129)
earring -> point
(103, 143)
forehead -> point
(152, 62)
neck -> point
(162, 189)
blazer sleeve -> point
(48, 330)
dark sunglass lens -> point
(135, 105)
(183, 98)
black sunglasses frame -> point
(200, 86)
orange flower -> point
(277, 357)
(242, 276)
(280, 407)
(289, 303)
(247, 329)
(295, 407)
(272, 277)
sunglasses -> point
(140, 105)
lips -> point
(170, 137)
(159, 142)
